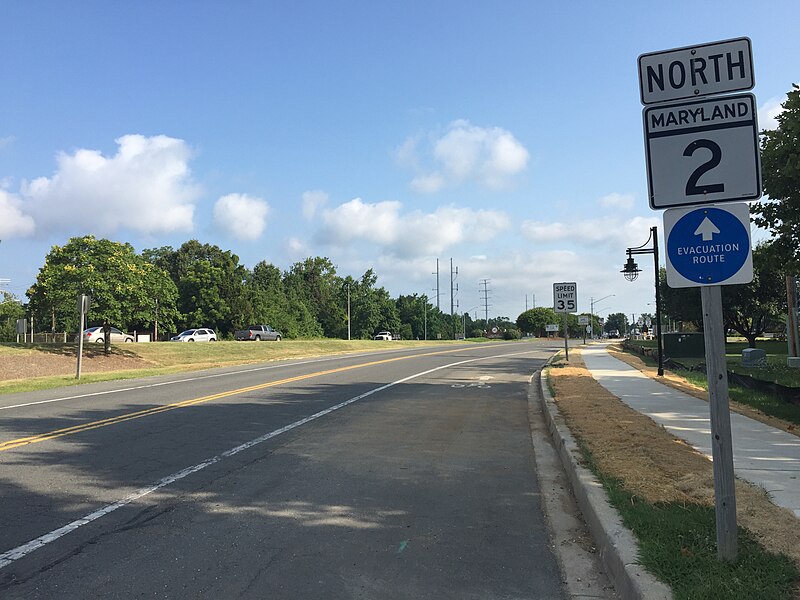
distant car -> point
(383, 335)
(96, 335)
(258, 333)
(195, 335)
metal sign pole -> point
(721, 439)
(81, 306)
(566, 338)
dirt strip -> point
(652, 463)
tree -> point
(680, 304)
(535, 320)
(780, 172)
(121, 283)
(315, 283)
(413, 312)
(372, 309)
(750, 309)
(267, 302)
(210, 284)
(616, 322)
(11, 309)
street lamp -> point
(592, 302)
(631, 272)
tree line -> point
(165, 290)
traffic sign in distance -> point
(695, 71)
(565, 297)
(708, 245)
(702, 152)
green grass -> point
(677, 544)
(775, 370)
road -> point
(400, 474)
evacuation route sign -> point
(708, 245)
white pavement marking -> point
(8, 557)
(198, 378)
(765, 456)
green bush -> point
(511, 334)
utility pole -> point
(485, 284)
(526, 302)
(453, 290)
(437, 282)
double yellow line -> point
(42, 437)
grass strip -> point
(677, 544)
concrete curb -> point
(616, 544)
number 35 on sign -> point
(702, 152)
(565, 297)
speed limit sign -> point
(565, 297)
(702, 152)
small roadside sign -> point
(702, 152)
(695, 71)
(708, 245)
(551, 327)
(565, 297)
(583, 320)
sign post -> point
(584, 320)
(700, 153)
(84, 303)
(565, 300)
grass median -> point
(664, 492)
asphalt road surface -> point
(401, 474)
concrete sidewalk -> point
(763, 455)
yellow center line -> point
(42, 437)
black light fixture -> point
(631, 272)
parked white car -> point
(383, 335)
(195, 335)
(96, 335)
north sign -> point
(702, 152)
(696, 71)
(565, 297)
(708, 245)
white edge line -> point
(201, 377)
(9, 556)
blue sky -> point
(506, 136)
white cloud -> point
(490, 156)
(6, 141)
(241, 216)
(768, 112)
(145, 187)
(297, 248)
(606, 231)
(13, 222)
(411, 234)
(428, 184)
(615, 200)
(312, 202)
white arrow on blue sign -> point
(708, 245)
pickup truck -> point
(383, 335)
(258, 333)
